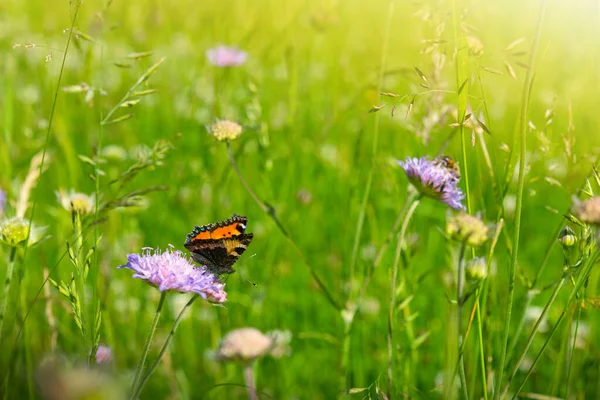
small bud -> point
(468, 229)
(476, 270)
(567, 237)
(225, 130)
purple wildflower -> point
(104, 354)
(2, 201)
(434, 179)
(224, 56)
(171, 270)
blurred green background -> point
(303, 97)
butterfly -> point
(218, 246)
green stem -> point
(142, 361)
(517, 228)
(270, 211)
(534, 331)
(572, 355)
(392, 305)
(367, 192)
(6, 291)
(249, 381)
(354, 305)
(164, 348)
(460, 303)
(583, 277)
(484, 290)
(6, 378)
(481, 349)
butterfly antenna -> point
(247, 280)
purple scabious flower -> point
(171, 270)
(224, 56)
(434, 179)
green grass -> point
(313, 73)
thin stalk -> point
(164, 348)
(6, 290)
(367, 192)
(521, 185)
(249, 381)
(460, 304)
(462, 98)
(270, 211)
(140, 80)
(534, 331)
(392, 305)
(479, 319)
(572, 355)
(351, 312)
(44, 152)
(583, 277)
(142, 361)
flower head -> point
(104, 354)
(58, 380)
(76, 202)
(434, 179)
(476, 270)
(588, 211)
(171, 270)
(224, 56)
(247, 344)
(14, 231)
(244, 344)
(224, 130)
(467, 228)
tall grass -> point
(114, 98)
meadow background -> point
(312, 150)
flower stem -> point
(583, 277)
(249, 380)
(270, 211)
(392, 305)
(459, 313)
(142, 361)
(355, 304)
(164, 348)
(573, 348)
(517, 227)
(534, 331)
(5, 292)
